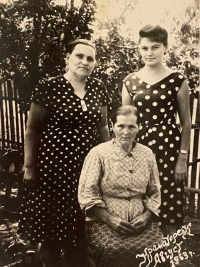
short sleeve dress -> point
(51, 210)
(158, 130)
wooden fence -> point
(12, 123)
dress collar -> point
(122, 153)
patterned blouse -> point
(124, 183)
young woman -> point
(159, 93)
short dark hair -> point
(70, 46)
(126, 110)
(155, 33)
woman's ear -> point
(166, 49)
(67, 58)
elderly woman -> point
(68, 116)
(119, 192)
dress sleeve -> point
(42, 94)
(89, 193)
(153, 194)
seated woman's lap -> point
(119, 251)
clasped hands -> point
(125, 228)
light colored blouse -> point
(124, 183)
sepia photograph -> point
(99, 133)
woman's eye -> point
(90, 59)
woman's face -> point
(152, 52)
(81, 61)
(125, 129)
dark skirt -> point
(106, 248)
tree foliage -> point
(34, 34)
(33, 38)
(118, 55)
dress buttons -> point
(131, 171)
(129, 155)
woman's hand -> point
(30, 175)
(121, 226)
(115, 222)
(180, 172)
(140, 222)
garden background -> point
(33, 34)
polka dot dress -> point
(51, 210)
(157, 106)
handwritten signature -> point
(167, 249)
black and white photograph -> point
(99, 133)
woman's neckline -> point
(67, 80)
(160, 80)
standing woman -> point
(68, 116)
(159, 93)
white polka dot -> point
(162, 110)
(134, 87)
(164, 203)
(163, 86)
(147, 97)
(160, 134)
(161, 147)
(154, 104)
(171, 196)
(155, 92)
(127, 82)
(139, 103)
(172, 159)
(148, 86)
(154, 117)
(134, 77)
(171, 80)
(165, 191)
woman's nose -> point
(149, 52)
(84, 61)
(126, 131)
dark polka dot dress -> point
(51, 211)
(158, 130)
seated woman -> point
(119, 191)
